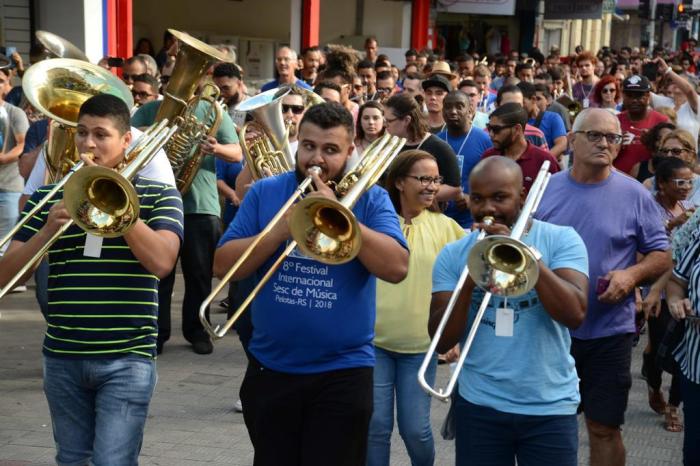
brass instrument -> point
(179, 104)
(269, 151)
(101, 201)
(58, 47)
(333, 233)
(57, 88)
(501, 266)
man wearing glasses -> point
(292, 111)
(144, 89)
(286, 64)
(635, 121)
(506, 128)
(617, 219)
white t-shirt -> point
(686, 118)
(158, 168)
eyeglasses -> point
(426, 180)
(391, 120)
(682, 183)
(676, 151)
(295, 109)
(608, 90)
(495, 129)
(141, 94)
(384, 90)
(127, 76)
(596, 136)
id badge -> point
(504, 322)
(93, 246)
(586, 103)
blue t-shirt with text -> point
(312, 317)
(537, 355)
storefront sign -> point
(480, 7)
(566, 9)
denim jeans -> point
(486, 436)
(691, 415)
(396, 373)
(9, 213)
(98, 408)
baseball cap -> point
(437, 80)
(636, 83)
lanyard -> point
(459, 152)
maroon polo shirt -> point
(530, 162)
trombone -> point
(324, 229)
(501, 266)
(99, 200)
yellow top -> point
(403, 308)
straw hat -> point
(443, 68)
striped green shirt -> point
(107, 306)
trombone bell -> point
(503, 266)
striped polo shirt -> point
(107, 306)
(688, 351)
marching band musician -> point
(100, 345)
(518, 393)
(307, 392)
(202, 228)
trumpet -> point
(501, 266)
(324, 229)
(99, 200)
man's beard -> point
(333, 182)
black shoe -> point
(203, 347)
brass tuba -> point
(58, 47)
(57, 88)
(194, 58)
(269, 151)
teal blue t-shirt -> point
(532, 371)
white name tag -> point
(586, 103)
(504, 322)
(93, 246)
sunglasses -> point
(682, 183)
(426, 180)
(141, 94)
(126, 76)
(495, 129)
(608, 90)
(596, 136)
(676, 151)
(295, 109)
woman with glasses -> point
(401, 329)
(652, 141)
(369, 126)
(674, 179)
(606, 94)
(680, 144)
(403, 118)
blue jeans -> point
(690, 392)
(98, 408)
(486, 436)
(397, 373)
(9, 213)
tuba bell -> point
(194, 58)
(57, 88)
(58, 47)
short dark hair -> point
(467, 82)
(464, 57)
(313, 48)
(522, 66)
(386, 74)
(506, 89)
(544, 89)
(329, 115)
(546, 77)
(411, 53)
(326, 85)
(414, 76)
(148, 79)
(511, 114)
(107, 106)
(556, 74)
(365, 64)
(665, 169)
(528, 89)
(226, 70)
(330, 73)
(400, 169)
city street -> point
(192, 420)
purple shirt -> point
(616, 219)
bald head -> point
(585, 117)
(499, 166)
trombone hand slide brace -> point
(501, 266)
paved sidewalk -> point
(192, 421)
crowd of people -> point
(334, 350)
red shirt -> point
(530, 162)
(635, 152)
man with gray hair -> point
(286, 64)
(617, 219)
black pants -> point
(237, 293)
(202, 233)
(307, 419)
(165, 295)
(657, 330)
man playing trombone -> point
(100, 345)
(518, 390)
(307, 392)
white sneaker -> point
(19, 289)
(238, 406)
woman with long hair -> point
(369, 126)
(401, 329)
(652, 141)
(606, 94)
